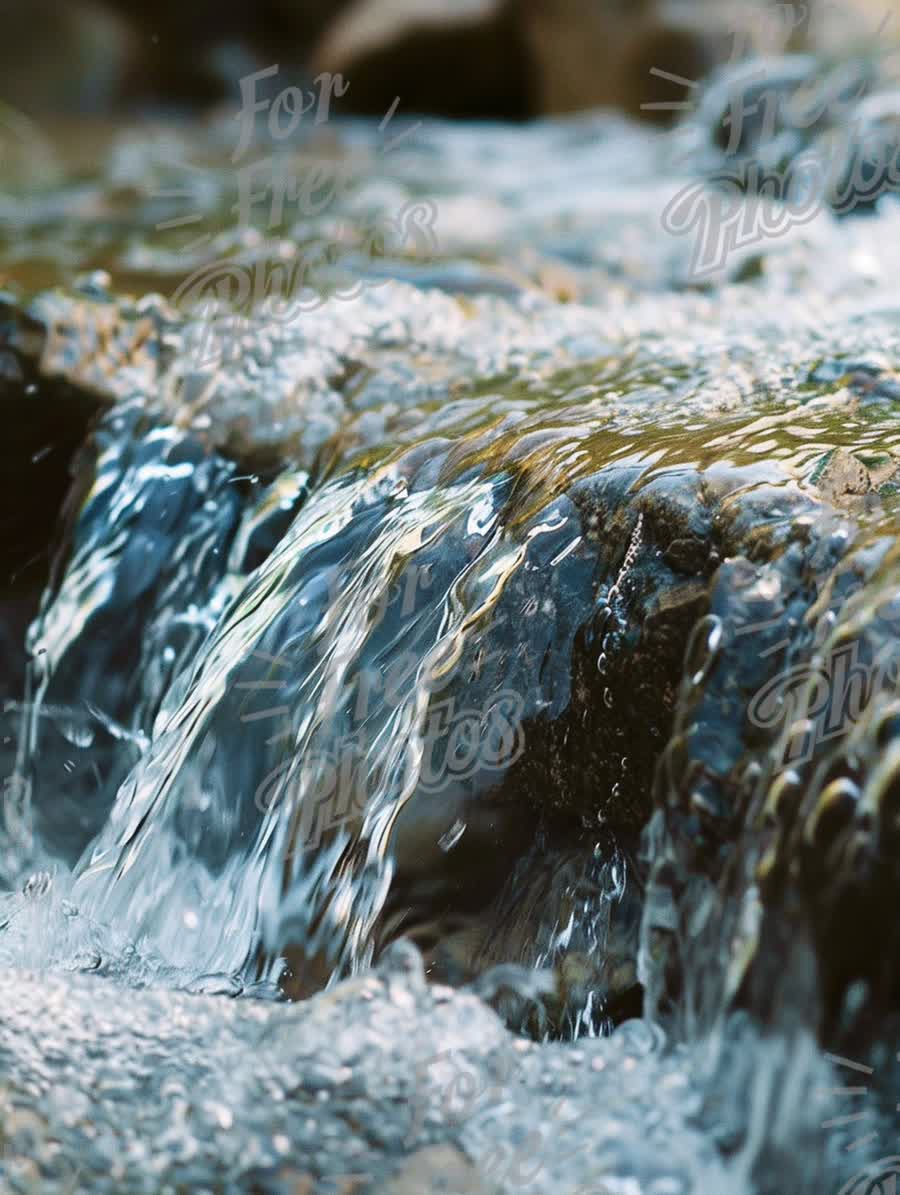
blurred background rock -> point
(459, 58)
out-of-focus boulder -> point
(532, 57)
(463, 58)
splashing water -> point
(401, 660)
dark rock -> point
(518, 58)
(787, 820)
(449, 60)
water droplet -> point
(449, 840)
(78, 733)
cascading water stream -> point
(283, 616)
(381, 628)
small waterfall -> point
(269, 746)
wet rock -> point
(612, 571)
(840, 476)
(531, 57)
(437, 1168)
(784, 827)
(81, 70)
(452, 60)
(826, 859)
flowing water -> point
(369, 620)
